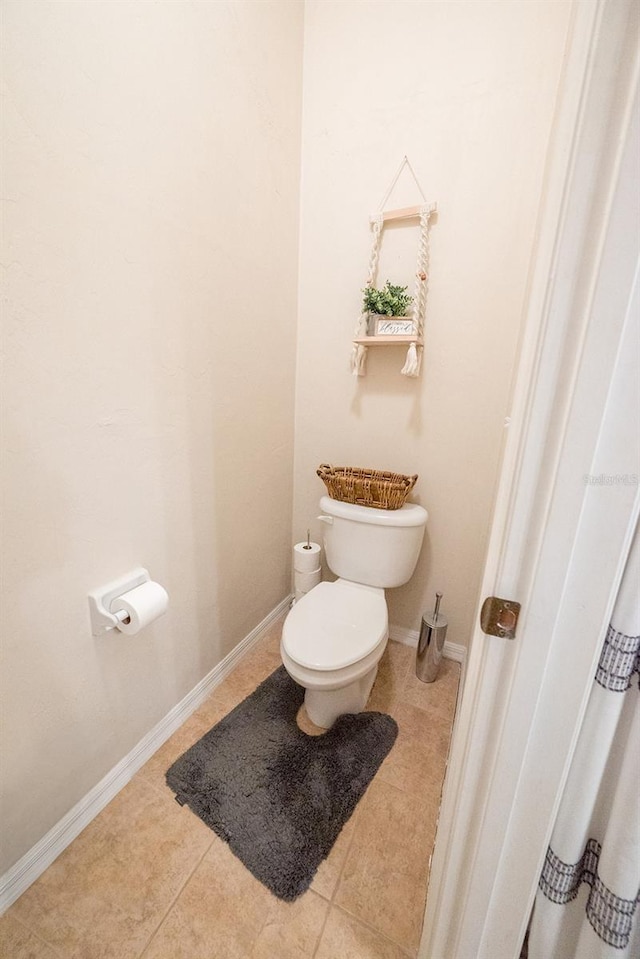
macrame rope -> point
(359, 351)
(376, 226)
(414, 353)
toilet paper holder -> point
(100, 600)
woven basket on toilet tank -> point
(377, 488)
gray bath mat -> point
(278, 796)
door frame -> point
(524, 700)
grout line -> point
(409, 953)
(175, 899)
(347, 854)
(335, 888)
(36, 935)
(262, 927)
(324, 926)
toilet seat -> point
(335, 625)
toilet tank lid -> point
(411, 514)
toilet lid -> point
(335, 625)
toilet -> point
(334, 637)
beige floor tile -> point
(238, 685)
(271, 639)
(16, 942)
(222, 700)
(263, 658)
(218, 915)
(417, 760)
(107, 892)
(383, 882)
(305, 724)
(440, 694)
(292, 929)
(189, 733)
(248, 674)
(328, 874)
(346, 938)
(255, 667)
(392, 671)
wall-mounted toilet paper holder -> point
(100, 600)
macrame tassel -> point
(412, 362)
(359, 359)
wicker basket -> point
(377, 488)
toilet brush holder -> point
(431, 643)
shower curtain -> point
(587, 901)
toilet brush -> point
(431, 643)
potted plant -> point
(389, 301)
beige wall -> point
(152, 183)
(152, 186)
(467, 91)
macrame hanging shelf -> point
(415, 337)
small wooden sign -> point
(393, 326)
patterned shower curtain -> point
(587, 902)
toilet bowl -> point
(332, 642)
(334, 637)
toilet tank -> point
(375, 547)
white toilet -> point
(334, 637)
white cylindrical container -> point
(431, 643)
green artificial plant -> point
(389, 301)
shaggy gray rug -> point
(278, 796)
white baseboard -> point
(410, 637)
(18, 879)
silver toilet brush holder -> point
(431, 643)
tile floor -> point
(147, 879)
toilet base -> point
(325, 705)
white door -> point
(565, 511)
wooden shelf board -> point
(388, 339)
(405, 213)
